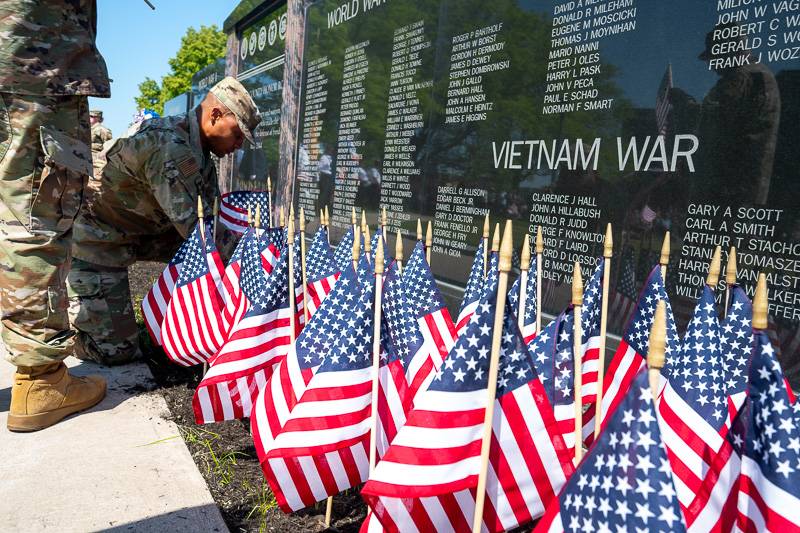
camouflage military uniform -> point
(100, 134)
(140, 205)
(48, 66)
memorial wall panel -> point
(678, 116)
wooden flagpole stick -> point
(363, 222)
(327, 219)
(200, 218)
(356, 248)
(376, 355)
(257, 218)
(398, 251)
(761, 304)
(714, 268)
(664, 259)
(539, 252)
(577, 304)
(282, 218)
(292, 301)
(730, 278)
(494, 364)
(303, 261)
(429, 242)
(496, 238)
(269, 200)
(216, 217)
(249, 216)
(524, 266)
(657, 348)
(486, 244)
(384, 222)
(367, 244)
(353, 218)
(608, 249)
(419, 230)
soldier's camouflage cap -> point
(96, 113)
(236, 98)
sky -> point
(137, 42)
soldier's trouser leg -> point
(41, 185)
(101, 313)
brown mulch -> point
(224, 453)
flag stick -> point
(494, 363)
(376, 355)
(363, 222)
(760, 304)
(327, 218)
(539, 252)
(292, 301)
(657, 347)
(303, 260)
(419, 230)
(249, 216)
(282, 218)
(429, 242)
(257, 219)
(201, 220)
(485, 244)
(664, 259)
(398, 251)
(356, 248)
(496, 238)
(328, 511)
(353, 218)
(367, 244)
(608, 249)
(384, 222)
(216, 217)
(525, 263)
(730, 277)
(269, 199)
(714, 268)
(200, 217)
(577, 305)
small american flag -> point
(327, 430)
(631, 353)
(427, 478)
(529, 313)
(193, 328)
(274, 404)
(234, 206)
(474, 289)
(590, 333)
(433, 320)
(663, 105)
(343, 255)
(759, 485)
(693, 404)
(624, 482)
(154, 304)
(258, 341)
(321, 271)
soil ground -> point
(224, 453)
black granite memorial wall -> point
(678, 116)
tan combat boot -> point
(43, 395)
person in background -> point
(100, 133)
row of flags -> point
(716, 448)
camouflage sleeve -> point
(176, 179)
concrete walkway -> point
(120, 466)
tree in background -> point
(199, 48)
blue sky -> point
(137, 42)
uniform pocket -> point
(57, 195)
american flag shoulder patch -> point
(188, 167)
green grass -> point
(263, 501)
(219, 466)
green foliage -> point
(150, 96)
(199, 48)
(263, 501)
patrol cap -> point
(236, 98)
(96, 113)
